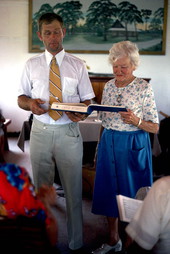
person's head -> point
(124, 58)
(51, 32)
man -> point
(57, 142)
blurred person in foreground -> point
(150, 227)
(57, 143)
(124, 157)
(18, 197)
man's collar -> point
(59, 57)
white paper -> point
(127, 207)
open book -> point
(84, 109)
(127, 207)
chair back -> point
(142, 192)
(23, 235)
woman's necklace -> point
(120, 89)
(119, 96)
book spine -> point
(71, 108)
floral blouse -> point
(17, 194)
(137, 96)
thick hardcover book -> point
(127, 207)
(84, 109)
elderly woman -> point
(124, 157)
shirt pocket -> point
(70, 86)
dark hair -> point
(47, 18)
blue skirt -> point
(124, 164)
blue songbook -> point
(84, 109)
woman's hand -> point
(129, 117)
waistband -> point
(42, 125)
(124, 132)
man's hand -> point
(35, 106)
(76, 117)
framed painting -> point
(93, 26)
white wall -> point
(14, 53)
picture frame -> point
(144, 23)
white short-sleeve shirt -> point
(76, 85)
(150, 227)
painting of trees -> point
(100, 15)
(95, 28)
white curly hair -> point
(122, 49)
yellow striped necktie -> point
(55, 88)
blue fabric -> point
(124, 164)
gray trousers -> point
(60, 145)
